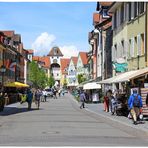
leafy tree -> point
(65, 82)
(81, 78)
(37, 76)
(50, 81)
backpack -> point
(136, 101)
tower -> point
(55, 55)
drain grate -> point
(50, 132)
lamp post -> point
(2, 70)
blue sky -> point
(43, 25)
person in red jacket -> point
(106, 103)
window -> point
(135, 9)
(129, 10)
(123, 50)
(115, 51)
(122, 14)
(115, 19)
(141, 7)
(132, 47)
(142, 44)
(135, 45)
(139, 44)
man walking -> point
(29, 99)
(135, 104)
(82, 99)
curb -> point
(121, 122)
(113, 119)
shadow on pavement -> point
(14, 110)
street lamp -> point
(2, 70)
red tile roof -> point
(44, 59)
(30, 51)
(105, 3)
(96, 18)
(64, 64)
(8, 33)
(84, 57)
(36, 58)
(74, 59)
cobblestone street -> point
(60, 122)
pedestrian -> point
(135, 105)
(54, 93)
(110, 97)
(29, 99)
(106, 103)
(23, 97)
(44, 95)
(37, 98)
(82, 99)
(59, 92)
(6, 97)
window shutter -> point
(132, 47)
(132, 10)
(127, 12)
(138, 44)
(113, 53)
(113, 22)
(126, 49)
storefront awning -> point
(16, 84)
(124, 77)
(71, 85)
(92, 85)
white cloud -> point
(42, 44)
(69, 51)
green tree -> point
(37, 75)
(81, 78)
(65, 83)
(50, 81)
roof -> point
(8, 33)
(17, 38)
(84, 57)
(55, 51)
(36, 58)
(46, 61)
(64, 64)
(74, 59)
(105, 3)
(96, 18)
(30, 51)
(126, 76)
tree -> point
(37, 75)
(51, 81)
(81, 78)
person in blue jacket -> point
(29, 99)
(135, 104)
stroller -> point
(121, 108)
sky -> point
(43, 25)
